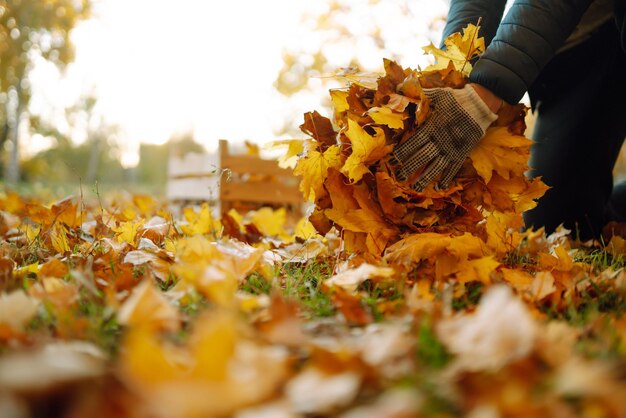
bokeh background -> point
(102, 92)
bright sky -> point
(159, 67)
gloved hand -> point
(458, 121)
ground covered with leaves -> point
(382, 302)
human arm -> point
(463, 12)
(526, 40)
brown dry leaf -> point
(518, 279)
(543, 285)
(159, 262)
(314, 391)
(155, 229)
(351, 307)
(51, 367)
(56, 291)
(147, 307)
(16, 309)
(53, 268)
(417, 247)
(7, 266)
(283, 324)
(485, 340)
(320, 128)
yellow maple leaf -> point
(365, 79)
(304, 229)
(58, 236)
(466, 246)
(201, 222)
(366, 149)
(460, 49)
(195, 250)
(501, 152)
(127, 231)
(145, 360)
(271, 222)
(520, 280)
(340, 100)
(145, 203)
(213, 345)
(288, 159)
(386, 116)
(31, 231)
(560, 260)
(313, 169)
(502, 236)
(479, 270)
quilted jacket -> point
(522, 43)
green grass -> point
(304, 282)
(600, 259)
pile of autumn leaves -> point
(469, 232)
(124, 310)
(345, 171)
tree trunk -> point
(94, 160)
(14, 112)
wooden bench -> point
(227, 180)
(250, 181)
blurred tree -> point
(66, 162)
(30, 30)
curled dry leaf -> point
(16, 309)
(351, 279)
(50, 366)
(147, 307)
(486, 339)
(314, 391)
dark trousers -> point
(580, 104)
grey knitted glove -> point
(458, 121)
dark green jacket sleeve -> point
(463, 12)
(620, 19)
(526, 39)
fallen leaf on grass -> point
(51, 366)
(350, 279)
(216, 373)
(315, 392)
(147, 307)
(486, 339)
(16, 309)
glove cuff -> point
(475, 107)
